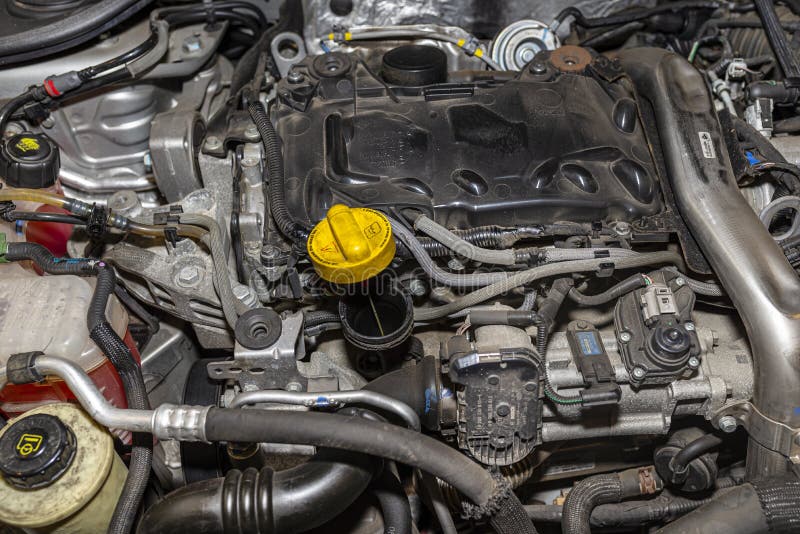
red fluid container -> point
(17, 399)
(48, 314)
(53, 236)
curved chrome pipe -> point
(330, 399)
(752, 268)
(168, 421)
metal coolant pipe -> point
(752, 268)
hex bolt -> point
(689, 327)
(213, 143)
(638, 373)
(680, 281)
(294, 386)
(625, 337)
(622, 228)
(295, 77)
(694, 363)
(537, 67)
(192, 44)
(455, 265)
(503, 410)
(417, 287)
(188, 276)
(727, 423)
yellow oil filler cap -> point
(351, 245)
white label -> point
(707, 145)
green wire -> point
(693, 53)
(560, 400)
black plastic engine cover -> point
(535, 148)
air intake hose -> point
(265, 502)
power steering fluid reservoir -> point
(351, 245)
(59, 472)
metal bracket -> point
(768, 433)
(272, 368)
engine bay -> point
(402, 266)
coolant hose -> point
(692, 451)
(748, 263)
(109, 342)
(265, 502)
(274, 176)
(492, 498)
(602, 489)
(394, 504)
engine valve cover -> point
(558, 141)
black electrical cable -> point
(134, 53)
(295, 230)
(216, 8)
(613, 36)
(114, 77)
(150, 320)
(784, 173)
(190, 18)
(236, 233)
(630, 16)
(37, 216)
(16, 103)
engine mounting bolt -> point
(251, 133)
(537, 67)
(294, 386)
(680, 281)
(213, 143)
(727, 423)
(295, 77)
(638, 373)
(694, 362)
(624, 336)
(689, 326)
(188, 276)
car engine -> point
(399, 266)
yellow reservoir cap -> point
(351, 245)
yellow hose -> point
(52, 199)
(32, 195)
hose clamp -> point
(770, 434)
